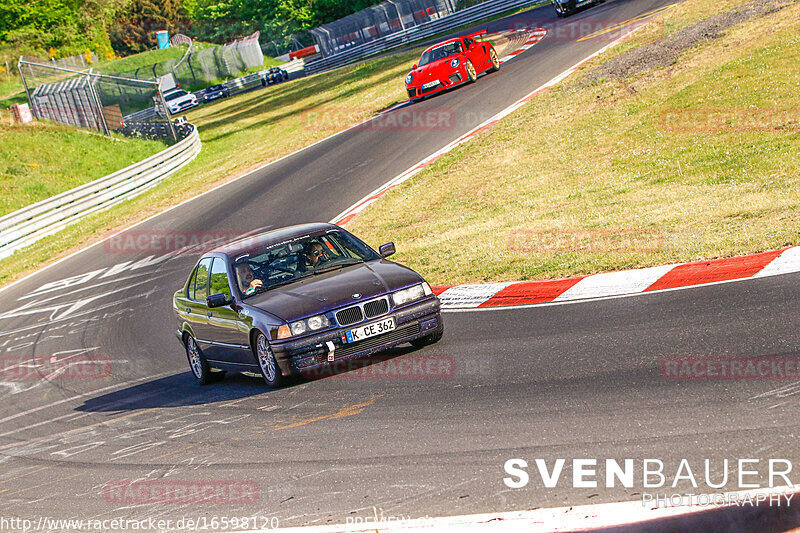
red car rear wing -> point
(476, 34)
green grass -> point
(146, 59)
(40, 160)
(620, 174)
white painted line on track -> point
(573, 518)
(84, 395)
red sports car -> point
(450, 63)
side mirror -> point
(413, 66)
(386, 249)
(217, 300)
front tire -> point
(430, 338)
(197, 361)
(472, 75)
(267, 363)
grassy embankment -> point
(40, 160)
(697, 160)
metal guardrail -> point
(465, 16)
(24, 227)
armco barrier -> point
(429, 29)
(24, 227)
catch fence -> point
(89, 99)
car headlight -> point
(317, 322)
(299, 327)
(410, 294)
(409, 78)
(454, 63)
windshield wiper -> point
(338, 265)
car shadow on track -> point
(181, 390)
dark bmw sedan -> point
(295, 299)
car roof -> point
(448, 41)
(268, 238)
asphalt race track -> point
(570, 381)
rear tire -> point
(495, 61)
(430, 338)
(267, 363)
(197, 361)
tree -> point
(134, 29)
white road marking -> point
(470, 295)
(614, 283)
(31, 308)
(84, 395)
(786, 263)
(573, 518)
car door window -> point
(190, 285)
(218, 279)
(201, 280)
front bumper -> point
(182, 107)
(309, 353)
(455, 78)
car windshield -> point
(279, 264)
(174, 95)
(215, 88)
(440, 52)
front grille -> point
(455, 77)
(348, 316)
(376, 307)
(374, 342)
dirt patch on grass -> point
(666, 51)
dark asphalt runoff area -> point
(570, 381)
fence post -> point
(166, 113)
(98, 103)
(191, 69)
(25, 85)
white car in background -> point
(179, 100)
